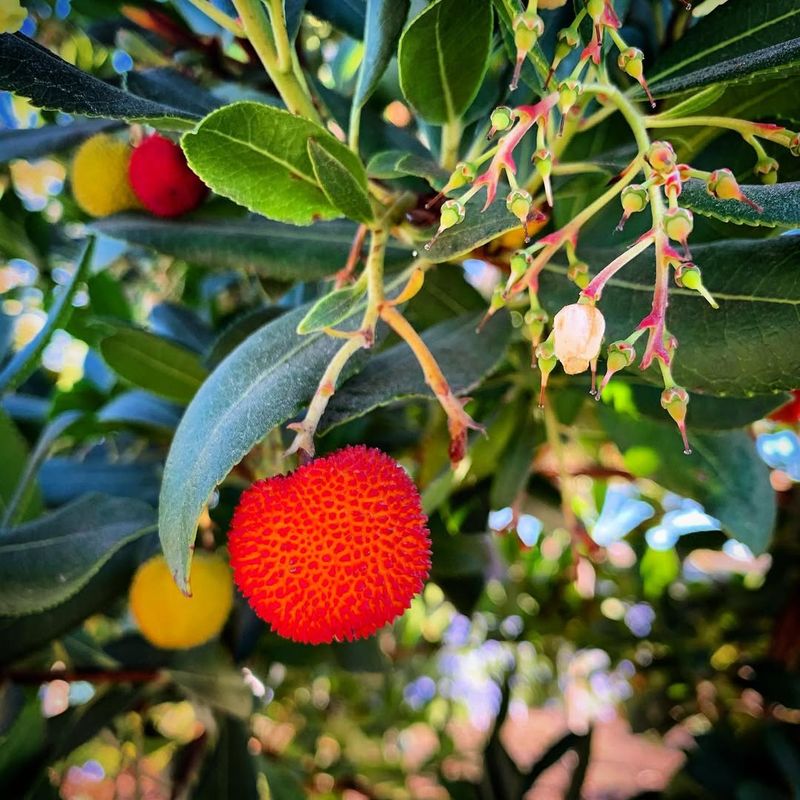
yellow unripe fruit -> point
(170, 620)
(99, 176)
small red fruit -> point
(789, 412)
(162, 180)
(334, 550)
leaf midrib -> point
(448, 99)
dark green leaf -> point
(721, 46)
(724, 473)
(12, 466)
(283, 783)
(223, 688)
(514, 465)
(140, 409)
(443, 56)
(780, 204)
(36, 142)
(465, 357)
(246, 139)
(747, 346)
(399, 164)
(153, 363)
(271, 249)
(44, 562)
(229, 772)
(694, 103)
(345, 189)
(27, 359)
(384, 21)
(332, 309)
(171, 88)
(477, 229)
(239, 330)
(347, 15)
(261, 384)
(23, 62)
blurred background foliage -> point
(588, 630)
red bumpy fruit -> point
(334, 550)
(162, 180)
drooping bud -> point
(568, 93)
(568, 39)
(634, 198)
(631, 61)
(543, 161)
(528, 27)
(767, 169)
(661, 157)
(690, 277)
(465, 172)
(578, 331)
(678, 224)
(519, 264)
(535, 320)
(675, 400)
(578, 273)
(546, 361)
(451, 214)
(722, 185)
(519, 203)
(621, 354)
(501, 119)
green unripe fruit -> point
(502, 118)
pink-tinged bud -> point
(767, 169)
(678, 224)
(661, 157)
(634, 198)
(620, 355)
(675, 400)
(631, 61)
(578, 330)
(722, 185)
(794, 145)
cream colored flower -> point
(579, 330)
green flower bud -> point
(519, 203)
(634, 198)
(794, 145)
(543, 161)
(620, 355)
(528, 27)
(767, 168)
(535, 320)
(661, 157)
(452, 213)
(502, 118)
(498, 300)
(675, 401)
(578, 273)
(519, 263)
(568, 40)
(631, 61)
(568, 93)
(678, 223)
(595, 8)
(690, 277)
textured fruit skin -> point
(170, 620)
(334, 550)
(99, 176)
(162, 180)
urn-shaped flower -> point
(579, 330)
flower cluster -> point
(655, 178)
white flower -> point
(579, 330)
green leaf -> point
(466, 358)
(697, 102)
(222, 688)
(384, 22)
(747, 346)
(265, 381)
(780, 204)
(443, 57)
(514, 466)
(140, 409)
(23, 363)
(283, 783)
(23, 63)
(477, 229)
(37, 142)
(12, 467)
(658, 568)
(724, 472)
(271, 249)
(229, 772)
(721, 46)
(399, 164)
(45, 562)
(256, 155)
(153, 363)
(347, 190)
(332, 309)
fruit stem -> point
(256, 26)
(220, 17)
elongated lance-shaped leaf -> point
(346, 189)
(332, 309)
(23, 63)
(44, 562)
(23, 363)
(384, 22)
